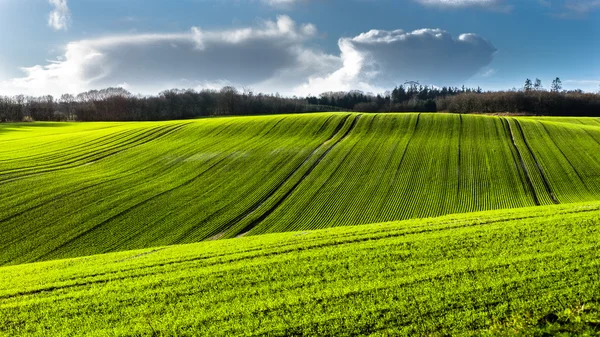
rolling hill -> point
(76, 189)
(528, 272)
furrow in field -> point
(491, 174)
(127, 210)
(424, 174)
(208, 221)
(71, 133)
(374, 232)
(51, 152)
(378, 165)
(146, 174)
(243, 223)
(438, 227)
(143, 172)
(400, 162)
(460, 132)
(565, 157)
(282, 198)
(571, 159)
(153, 223)
(277, 174)
(530, 185)
(537, 164)
(353, 159)
(188, 264)
(114, 197)
(365, 161)
(314, 192)
(517, 186)
(221, 217)
(49, 159)
(88, 157)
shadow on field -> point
(580, 320)
(24, 126)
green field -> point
(499, 272)
(338, 224)
(75, 189)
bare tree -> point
(66, 101)
(556, 85)
(228, 100)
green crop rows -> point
(363, 219)
(75, 189)
(469, 274)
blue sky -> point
(295, 46)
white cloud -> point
(590, 82)
(308, 63)
(562, 8)
(587, 85)
(582, 6)
(60, 16)
(487, 72)
(282, 4)
(273, 56)
(496, 5)
(382, 59)
(459, 3)
(152, 62)
(279, 2)
(570, 8)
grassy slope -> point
(492, 272)
(77, 189)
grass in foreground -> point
(580, 320)
(500, 272)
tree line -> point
(532, 99)
(117, 104)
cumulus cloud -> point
(150, 62)
(60, 16)
(382, 58)
(273, 56)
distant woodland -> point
(117, 104)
